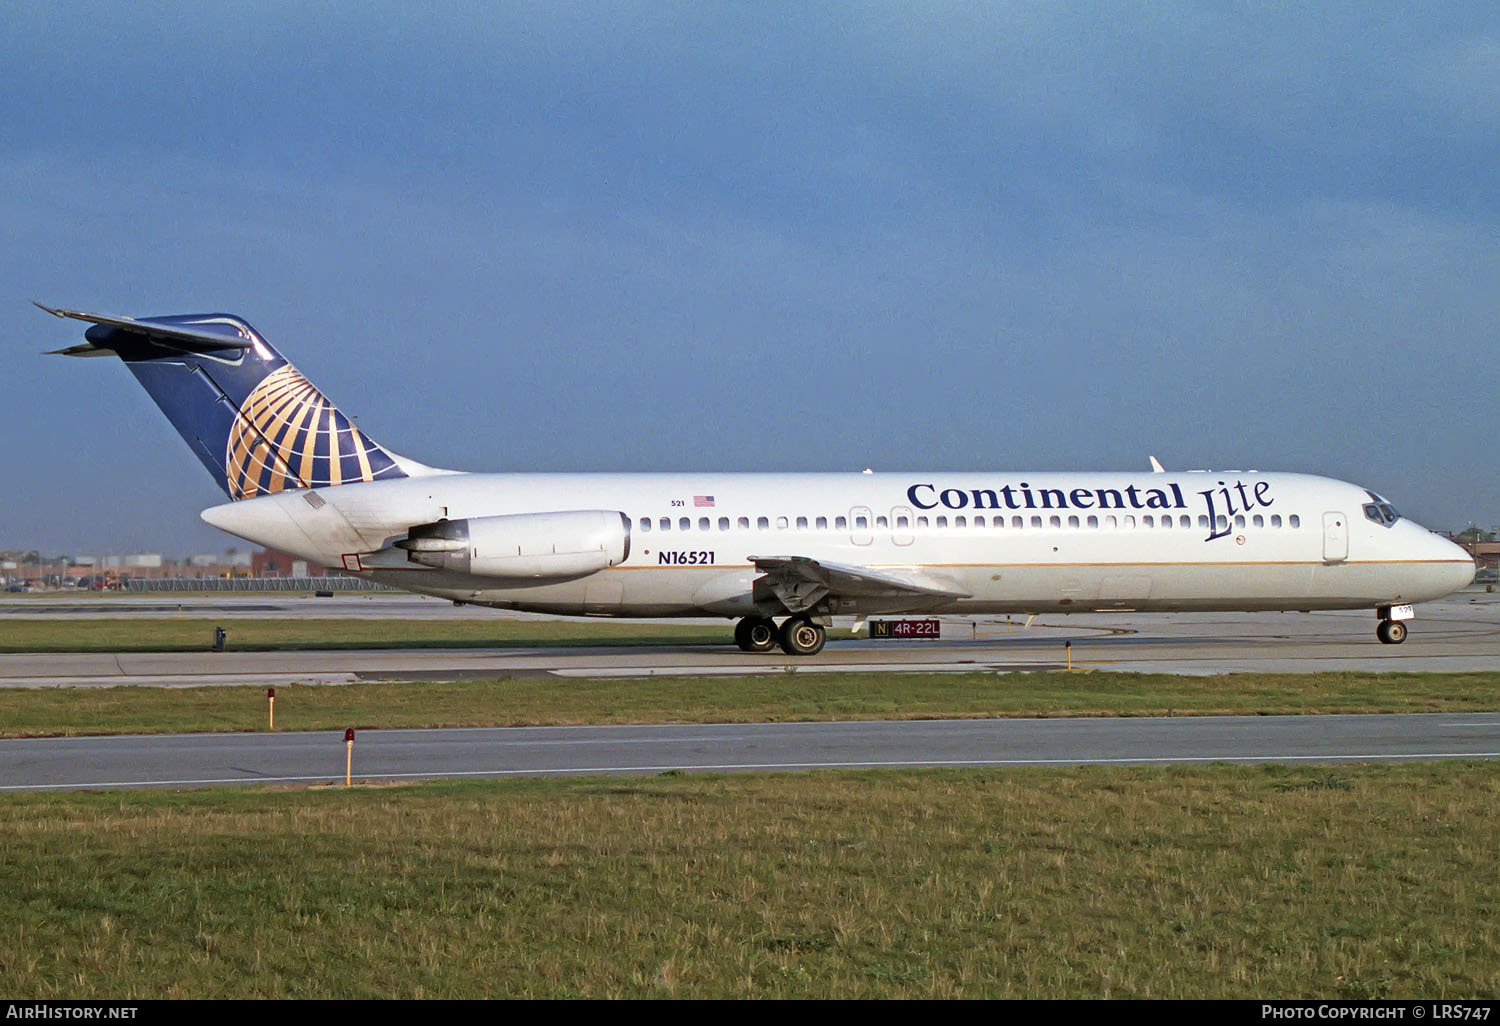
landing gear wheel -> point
(802, 637)
(1391, 632)
(755, 634)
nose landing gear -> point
(1392, 629)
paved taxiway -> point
(1457, 634)
(205, 760)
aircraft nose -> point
(1464, 572)
(1453, 568)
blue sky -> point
(757, 236)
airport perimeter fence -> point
(330, 583)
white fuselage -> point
(1008, 542)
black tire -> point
(801, 637)
(1391, 632)
(755, 634)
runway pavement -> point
(206, 760)
(1460, 633)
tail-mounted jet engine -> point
(524, 545)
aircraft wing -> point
(801, 583)
(178, 335)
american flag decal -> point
(703, 500)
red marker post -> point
(349, 760)
(271, 701)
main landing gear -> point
(755, 634)
(797, 635)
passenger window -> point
(1072, 521)
(1093, 521)
(822, 523)
(723, 523)
(1128, 522)
(1185, 522)
(1239, 521)
(1294, 521)
(862, 522)
(665, 524)
(684, 524)
(840, 524)
(801, 523)
(1202, 520)
(703, 523)
(1018, 522)
(762, 524)
(1166, 522)
(903, 522)
(1036, 521)
(744, 523)
(881, 521)
(1222, 521)
(645, 525)
(1275, 519)
(921, 521)
(781, 523)
(979, 521)
(942, 521)
(960, 522)
(1258, 520)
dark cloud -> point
(662, 236)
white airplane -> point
(801, 548)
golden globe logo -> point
(288, 435)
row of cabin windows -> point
(1109, 522)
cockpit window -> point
(1380, 511)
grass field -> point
(168, 634)
(1359, 882)
(1212, 882)
(530, 701)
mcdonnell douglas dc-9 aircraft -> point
(798, 548)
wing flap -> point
(801, 583)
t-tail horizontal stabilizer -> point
(252, 420)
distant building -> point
(270, 563)
(1486, 553)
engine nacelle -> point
(523, 545)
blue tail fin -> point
(256, 423)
